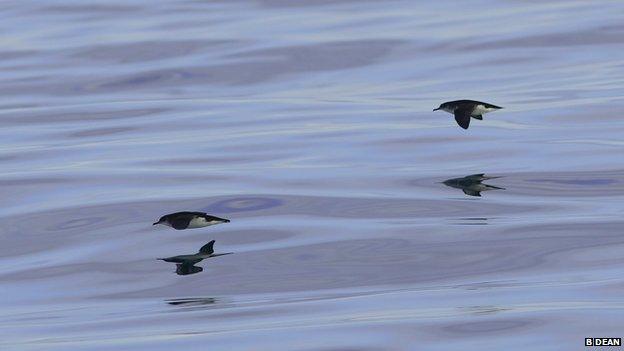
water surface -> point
(309, 125)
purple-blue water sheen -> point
(309, 125)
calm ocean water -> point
(309, 124)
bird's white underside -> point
(478, 110)
(200, 222)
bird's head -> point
(162, 219)
(445, 107)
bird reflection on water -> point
(185, 264)
(472, 185)
(192, 302)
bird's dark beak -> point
(155, 223)
(226, 221)
(435, 109)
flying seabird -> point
(185, 264)
(206, 251)
(464, 109)
(189, 220)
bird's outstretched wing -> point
(187, 268)
(462, 116)
(207, 249)
(180, 223)
(471, 192)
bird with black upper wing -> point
(185, 264)
(189, 220)
(466, 109)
